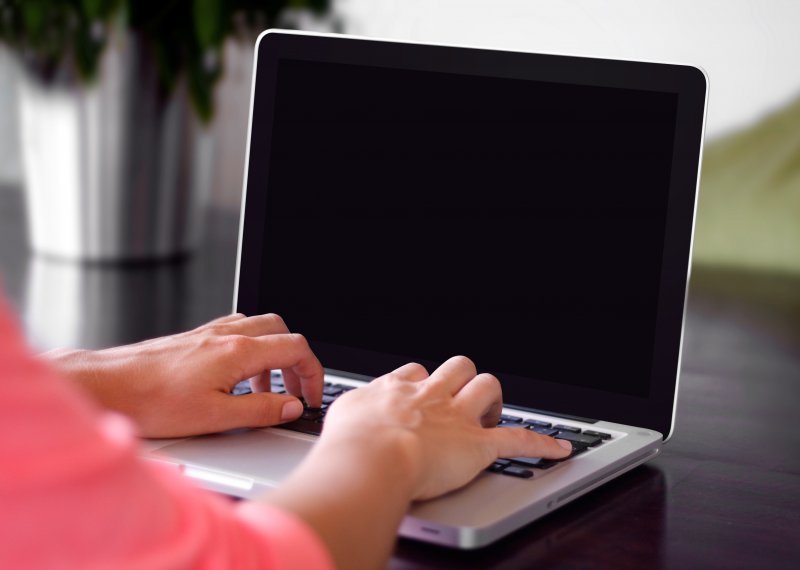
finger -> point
(510, 442)
(454, 374)
(482, 398)
(262, 382)
(254, 410)
(254, 355)
(260, 325)
(294, 386)
(412, 372)
(257, 325)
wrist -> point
(83, 368)
(390, 456)
(74, 364)
(368, 482)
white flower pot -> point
(115, 170)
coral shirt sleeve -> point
(75, 494)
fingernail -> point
(562, 442)
(291, 410)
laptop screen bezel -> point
(656, 411)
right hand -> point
(405, 436)
(440, 429)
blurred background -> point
(123, 131)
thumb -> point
(259, 409)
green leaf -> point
(93, 9)
(33, 12)
(208, 22)
(201, 91)
(87, 53)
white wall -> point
(9, 140)
(749, 48)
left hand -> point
(180, 385)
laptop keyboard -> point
(312, 420)
(581, 441)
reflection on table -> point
(96, 305)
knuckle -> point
(464, 361)
(217, 328)
(490, 381)
(208, 340)
(275, 319)
(418, 368)
(235, 343)
(299, 339)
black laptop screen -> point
(415, 215)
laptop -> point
(408, 202)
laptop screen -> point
(412, 215)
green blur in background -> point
(61, 38)
(748, 214)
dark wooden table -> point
(725, 493)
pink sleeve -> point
(75, 494)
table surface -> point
(724, 493)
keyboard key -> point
(579, 438)
(543, 430)
(312, 414)
(505, 418)
(241, 388)
(511, 425)
(332, 390)
(537, 462)
(497, 467)
(303, 426)
(538, 423)
(567, 428)
(577, 450)
(517, 472)
(599, 434)
(328, 400)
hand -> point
(403, 437)
(180, 385)
(442, 426)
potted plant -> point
(115, 101)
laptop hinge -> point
(554, 414)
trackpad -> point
(265, 455)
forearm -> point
(80, 367)
(354, 494)
(91, 373)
